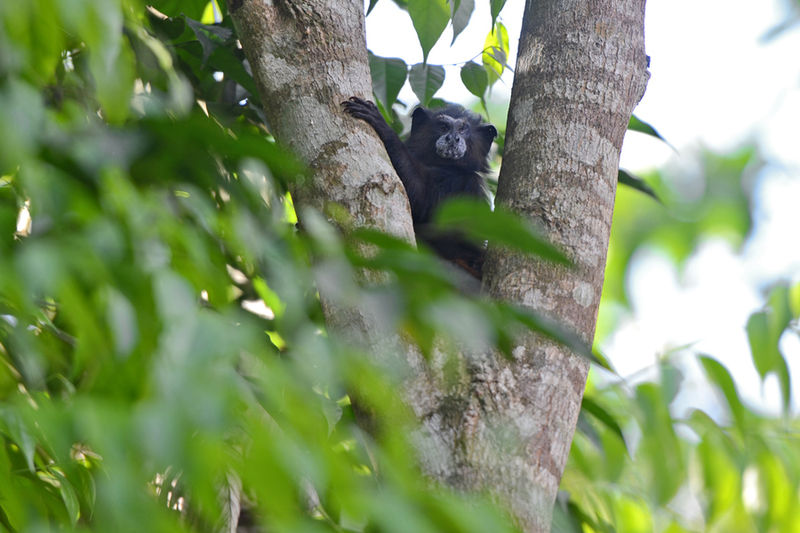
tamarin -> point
(444, 157)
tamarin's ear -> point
(488, 131)
(419, 117)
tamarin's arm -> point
(403, 162)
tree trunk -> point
(581, 70)
(307, 56)
(507, 426)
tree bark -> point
(580, 71)
(506, 426)
(307, 56)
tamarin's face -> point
(450, 137)
(453, 137)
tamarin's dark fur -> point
(444, 156)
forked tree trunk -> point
(581, 70)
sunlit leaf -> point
(495, 52)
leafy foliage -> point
(644, 461)
(161, 337)
(713, 201)
(162, 341)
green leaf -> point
(500, 227)
(495, 52)
(596, 410)
(68, 495)
(626, 178)
(425, 80)
(460, 13)
(549, 328)
(430, 18)
(601, 360)
(210, 36)
(19, 433)
(636, 124)
(192, 8)
(720, 376)
(388, 76)
(114, 85)
(660, 443)
(794, 300)
(372, 4)
(475, 78)
(496, 7)
(764, 330)
(763, 350)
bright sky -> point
(716, 84)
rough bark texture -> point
(504, 426)
(581, 70)
(306, 58)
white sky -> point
(713, 84)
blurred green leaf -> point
(659, 445)
(719, 375)
(549, 328)
(15, 428)
(131, 357)
(68, 496)
(628, 179)
(499, 227)
(764, 331)
(596, 410)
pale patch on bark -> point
(584, 294)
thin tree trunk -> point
(507, 426)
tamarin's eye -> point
(443, 127)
